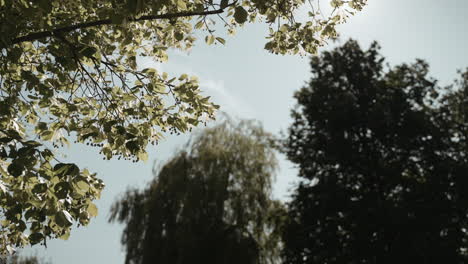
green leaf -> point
(5, 139)
(63, 218)
(92, 210)
(65, 236)
(221, 40)
(143, 156)
(209, 39)
(199, 24)
(35, 238)
(47, 135)
(21, 225)
(240, 15)
(32, 143)
(178, 36)
(40, 188)
(181, 4)
(15, 169)
(82, 186)
(336, 3)
(66, 169)
(224, 4)
(62, 189)
(88, 51)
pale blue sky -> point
(251, 83)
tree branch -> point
(43, 34)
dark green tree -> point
(384, 161)
(210, 203)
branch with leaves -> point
(63, 30)
(69, 71)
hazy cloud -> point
(229, 102)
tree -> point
(17, 259)
(210, 203)
(69, 69)
(383, 154)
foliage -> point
(383, 154)
(16, 259)
(208, 204)
(69, 69)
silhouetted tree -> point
(210, 203)
(383, 157)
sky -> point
(249, 82)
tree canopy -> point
(383, 154)
(69, 71)
(210, 203)
(18, 259)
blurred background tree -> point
(383, 157)
(23, 259)
(210, 203)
